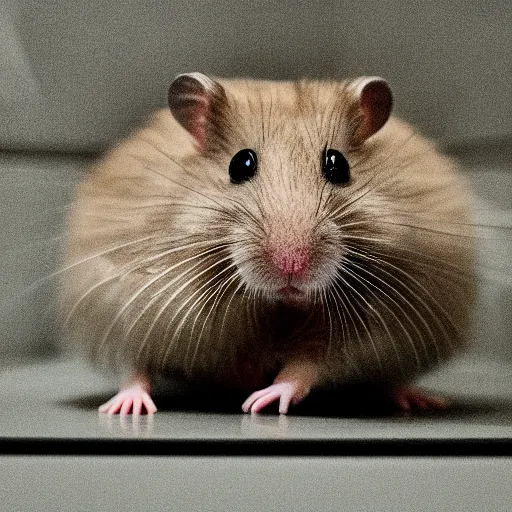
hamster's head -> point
(287, 169)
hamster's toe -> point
(286, 392)
(133, 400)
(410, 397)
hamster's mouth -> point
(290, 292)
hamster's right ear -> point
(199, 104)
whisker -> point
(340, 289)
(361, 280)
(428, 229)
(341, 315)
(175, 182)
(173, 296)
(325, 307)
(228, 305)
(124, 273)
(220, 292)
(186, 301)
(156, 295)
(379, 262)
(39, 282)
(434, 264)
(211, 289)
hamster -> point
(272, 238)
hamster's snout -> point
(292, 253)
(291, 261)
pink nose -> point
(292, 261)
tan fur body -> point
(133, 299)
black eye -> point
(243, 166)
(335, 167)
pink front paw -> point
(134, 400)
(286, 392)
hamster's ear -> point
(198, 104)
(375, 102)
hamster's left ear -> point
(198, 103)
(375, 102)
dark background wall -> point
(73, 75)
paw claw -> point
(285, 392)
(149, 404)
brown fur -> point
(391, 282)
